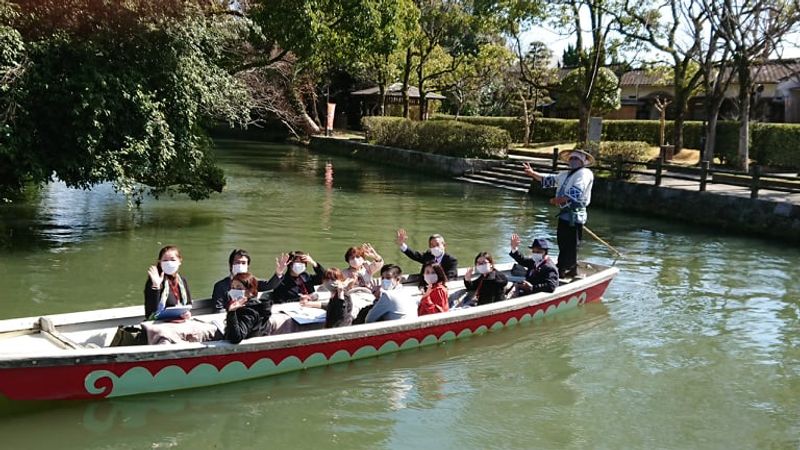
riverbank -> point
(774, 215)
(398, 157)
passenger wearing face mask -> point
(490, 286)
(392, 301)
(247, 317)
(359, 269)
(434, 296)
(297, 284)
(239, 262)
(435, 254)
(165, 286)
(573, 195)
(542, 275)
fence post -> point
(619, 167)
(754, 186)
(703, 175)
(659, 164)
(555, 159)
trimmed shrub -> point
(443, 137)
(630, 151)
(775, 144)
(513, 125)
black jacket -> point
(449, 263)
(251, 320)
(153, 296)
(543, 278)
(288, 290)
(492, 287)
(221, 288)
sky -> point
(558, 42)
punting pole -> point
(599, 239)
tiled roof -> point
(643, 77)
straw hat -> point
(564, 156)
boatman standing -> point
(573, 194)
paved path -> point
(724, 189)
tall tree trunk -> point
(382, 100)
(744, 132)
(583, 124)
(711, 137)
(526, 140)
(296, 100)
(406, 77)
(744, 115)
(681, 99)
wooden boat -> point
(63, 356)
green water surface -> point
(696, 345)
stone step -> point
(503, 175)
(497, 180)
(492, 183)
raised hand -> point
(369, 251)
(375, 287)
(468, 274)
(515, 241)
(281, 263)
(309, 260)
(528, 170)
(402, 236)
(155, 277)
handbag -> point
(129, 335)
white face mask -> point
(236, 294)
(537, 257)
(431, 278)
(484, 268)
(387, 284)
(238, 268)
(356, 262)
(170, 267)
(437, 251)
(298, 268)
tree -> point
(605, 90)
(381, 59)
(469, 81)
(715, 81)
(752, 30)
(118, 93)
(589, 85)
(570, 58)
(661, 26)
(535, 75)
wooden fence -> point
(757, 180)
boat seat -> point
(48, 330)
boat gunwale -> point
(299, 339)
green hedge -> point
(443, 137)
(773, 144)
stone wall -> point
(398, 157)
(766, 218)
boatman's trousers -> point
(569, 236)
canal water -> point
(696, 345)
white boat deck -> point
(95, 329)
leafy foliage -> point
(119, 92)
(444, 137)
(607, 92)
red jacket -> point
(434, 301)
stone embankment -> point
(722, 207)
